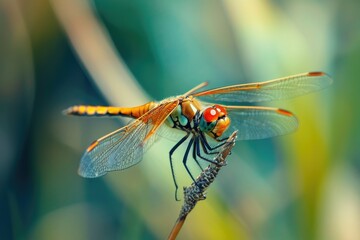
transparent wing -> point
(172, 134)
(277, 89)
(260, 122)
(124, 147)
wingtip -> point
(85, 169)
(316, 74)
(325, 76)
(86, 174)
(285, 112)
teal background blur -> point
(58, 53)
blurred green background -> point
(58, 53)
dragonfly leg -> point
(195, 153)
(186, 157)
(198, 151)
(207, 145)
(182, 140)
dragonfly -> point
(204, 117)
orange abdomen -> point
(135, 112)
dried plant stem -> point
(196, 191)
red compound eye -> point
(220, 109)
(210, 114)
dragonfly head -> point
(214, 121)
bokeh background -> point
(58, 53)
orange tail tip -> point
(75, 110)
(67, 111)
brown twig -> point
(196, 191)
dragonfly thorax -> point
(185, 115)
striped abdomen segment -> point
(135, 112)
